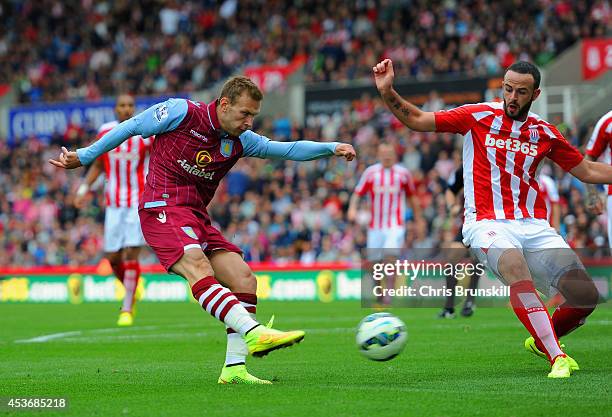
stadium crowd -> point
(83, 49)
(275, 211)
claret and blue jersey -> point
(191, 153)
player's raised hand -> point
(384, 75)
(66, 160)
(346, 150)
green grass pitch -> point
(168, 364)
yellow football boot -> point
(262, 340)
(531, 347)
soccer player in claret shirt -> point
(125, 168)
(195, 145)
(505, 216)
(600, 143)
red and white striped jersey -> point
(550, 192)
(388, 189)
(500, 158)
(601, 141)
(126, 168)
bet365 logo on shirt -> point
(512, 145)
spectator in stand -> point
(61, 50)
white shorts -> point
(384, 243)
(122, 229)
(548, 256)
(386, 238)
(610, 220)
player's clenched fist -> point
(345, 150)
(383, 75)
(67, 160)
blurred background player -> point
(456, 251)
(550, 194)
(195, 146)
(125, 168)
(600, 143)
(389, 185)
(505, 215)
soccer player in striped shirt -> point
(125, 168)
(195, 145)
(505, 215)
(388, 185)
(600, 143)
(550, 194)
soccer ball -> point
(381, 336)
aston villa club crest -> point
(161, 112)
(189, 232)
(227, 145)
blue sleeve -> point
(160, 118)
(260, 146)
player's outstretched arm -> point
(260, 146)
(160, 118)
(85, 156)
(406, 112)
(592, 172)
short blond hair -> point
(235, 86)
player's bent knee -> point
(587, 296)
(244, 281)
(233, 272)
(579, 289)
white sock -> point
(237, 351)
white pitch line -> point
(108, 338)
(80, 336)
(46, 338)
(95, 335)
(56, 336)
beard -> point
(521, 113)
